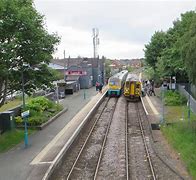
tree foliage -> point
(172, 52)
(107, 68)
(26, 47)
(188, 42)
(154, 49)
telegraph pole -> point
(95, 46)
(64, 54)
(24, 114)
(95, 41)
(64, 63)
(64, 59)
(189, 101)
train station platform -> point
(22, 163)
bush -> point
(37, 119)
(41, 109)
(173, 98)
(39, 104)
(18, 120)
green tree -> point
(26, 47)
(163, 53)
(171, 55)
(107, 68)
(188, 42)
(154, 49)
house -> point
(136, 63)
(57, 67)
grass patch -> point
(182, 136)
(10, 105)
(11, 138)
(181, 133)
(14, 103)
(177, 113)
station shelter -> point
(80, 76)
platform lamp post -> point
(23, 115)
(57, 92)
(84, 93)
(162, 120)
(189, 102)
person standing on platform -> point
(97, 86)
(152, 88)
(100, 87)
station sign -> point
(25, 114)
(79, 72)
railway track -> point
(138, 159)
(83, 159)
(143, 161)
(100, 128)
(145, 144)
(115, 144)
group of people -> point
(99, 87)
(149, 87)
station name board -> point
(75, 72)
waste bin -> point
(6, 121)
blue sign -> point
(25, 114)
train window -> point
(112, 83)
(127, 84)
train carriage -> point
(132, 87)
(116, 83)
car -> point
(61, 95)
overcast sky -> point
(124, 26)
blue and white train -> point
(116, 83)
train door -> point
(132, 88)
(127, 88)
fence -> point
(185, 90)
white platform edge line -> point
(140, 78)
(151, 105)
(70, 139)
(49, 162)
(144, 107)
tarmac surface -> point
(16, 163)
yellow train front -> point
(132, 87)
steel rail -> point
(81, 150)
(126, 141)
(104, 141)
(145, 144)
(154, 148)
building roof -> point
(55, 66)
(77, 61)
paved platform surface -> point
(19, 163)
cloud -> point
(127, 24)
(122, 49)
